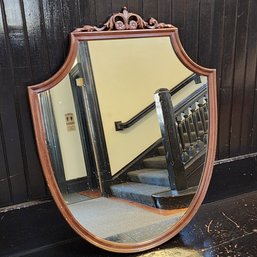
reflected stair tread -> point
(161, 150)
(137, 192)
(157, 177)
(158, 162)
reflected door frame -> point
(53, 144)
(83, 124)
(52, 140)
(95, 126)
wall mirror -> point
(126, 133)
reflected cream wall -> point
(70, 143)
(127, 72)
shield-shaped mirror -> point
(126, 133)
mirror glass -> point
(125, 175)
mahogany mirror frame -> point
(88, 33)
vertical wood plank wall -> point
(220, 34)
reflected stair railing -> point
(119, 125)
(180, 158)
(184, 130)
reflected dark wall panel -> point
(34, 44)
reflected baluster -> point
(191, 150)
(205, 107)
(180, 120)
(202, 116)
(199, 143)
(167, 121)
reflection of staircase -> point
(143, 183)
(150, 184)
(184, 136)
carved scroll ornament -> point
(125, 21)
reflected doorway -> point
(78, 83)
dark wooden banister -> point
(119, 125)
(176, 154)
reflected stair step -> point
(161, 150)
(157, 177)
(137, 192)
(156, 162)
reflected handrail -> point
(119, 125)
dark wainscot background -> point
(219, 34)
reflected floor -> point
(121, 221)
(75, 198)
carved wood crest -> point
(125, 21)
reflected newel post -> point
(169, 131)
(181, 194)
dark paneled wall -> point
(220, 34)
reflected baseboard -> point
(77, 185)
(232, 178)
(92, 193)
